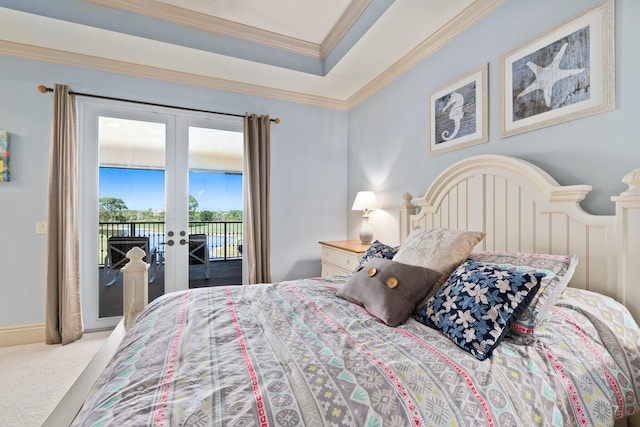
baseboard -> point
(24, 334)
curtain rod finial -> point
(276, 120)
(43, 89)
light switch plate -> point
(41, 227)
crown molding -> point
(181, 16)
(55, 56)
(456, 26)
(350, 16)
(212, 24)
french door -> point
(135, 190)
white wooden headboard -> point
(522, 208)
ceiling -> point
(310, 20)
(332, 53)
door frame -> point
(88, 171)
(177, 123)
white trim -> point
(344, 24)
(54, 56)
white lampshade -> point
(365, 200)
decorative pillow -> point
(558, 271)
(476, 306)
(389, 290)
(439, 249)
(378, 250)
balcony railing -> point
(223, 237)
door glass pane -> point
(132, 204)
(215, 207)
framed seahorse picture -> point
(565, 74)
(458, 113)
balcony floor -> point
(221, 273)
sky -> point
(144, 189)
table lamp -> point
(365, 200)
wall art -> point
(565, 74)
(458, 113)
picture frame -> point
(458, 113)
(565, 74)
(4, 156)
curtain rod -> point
(44, 89)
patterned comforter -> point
(294, 354)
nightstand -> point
(341, 257)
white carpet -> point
(34, 377)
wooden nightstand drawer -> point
(341, 257)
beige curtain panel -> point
(63, 311)
(257, 208)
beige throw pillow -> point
(440, 249)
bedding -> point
(295, 354)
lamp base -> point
(366, 233)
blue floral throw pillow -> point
(477, 305)
(378, 250)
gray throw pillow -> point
(389, 290)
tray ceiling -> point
(332, 53)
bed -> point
(522, 315)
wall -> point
(386, 136)
(388, 132)
(309, 153)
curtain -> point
(63, 311)
(257, 208)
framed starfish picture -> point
(565, 74)
(458, 113)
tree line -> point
(113, 209)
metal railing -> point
(224, 238)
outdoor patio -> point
(221, 273)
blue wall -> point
(322, 157)
(388, 132)
(309, 172)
